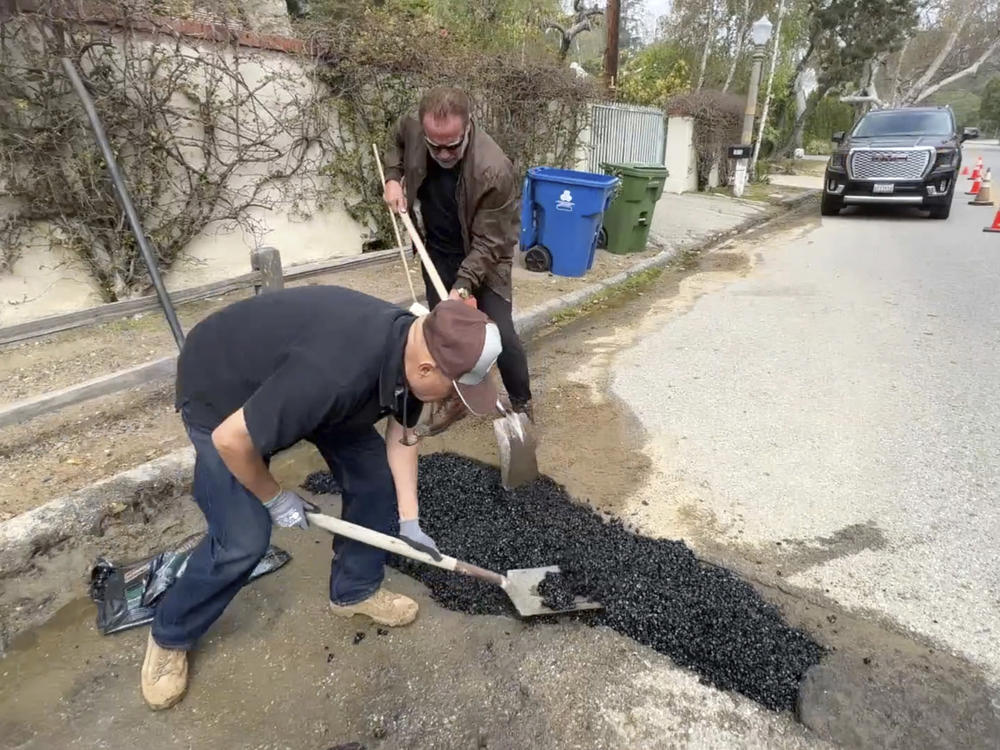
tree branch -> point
(969, 71)
(942, 55)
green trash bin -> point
(628, 218)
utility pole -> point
(612, 17)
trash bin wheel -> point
(602, 239)
(538, 259)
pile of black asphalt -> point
(704, 617)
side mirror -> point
(837, 137)
(969, 133)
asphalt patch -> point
(655, 591)
(557, 591)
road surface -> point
(835, 411)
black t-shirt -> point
(438, 195)
(300, 362)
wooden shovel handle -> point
(476, 572)
(376, 539)
(393, 544)
(422, 252)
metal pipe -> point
(126, 202)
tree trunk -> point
(775, 42)
(708, 45)
(803, 117)
(743, 30)
(896, 94)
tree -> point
(569, 28)
(989, 106)
(654, 75)
(848, 42)
(953, 41)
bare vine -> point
(197, 130)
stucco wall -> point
(47, 279)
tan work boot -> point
(164, 675)
(384, 607)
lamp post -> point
(760, 34)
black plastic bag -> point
(126, 595)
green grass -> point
(618, 293)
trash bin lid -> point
(634, 169)
(572, 177)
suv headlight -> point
(946, 157)
(838, 160)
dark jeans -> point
(239, 531)
(513, 363)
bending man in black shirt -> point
(468, 194)
(322, 364)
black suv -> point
(897, 156)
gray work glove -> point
(411, 533)
(287, 509)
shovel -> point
(521, 585)
(515, 439)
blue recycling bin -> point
(561, 215)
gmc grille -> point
(889, 164)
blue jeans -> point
(239, 531)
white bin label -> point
(565, 202)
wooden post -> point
(612, 17)
(267, 261)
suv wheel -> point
(830, 205)
(941, 212)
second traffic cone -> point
(995, 226)
(965, 171)
(983, 197)
(977, 171)
(975, 187)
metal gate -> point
(626, 133)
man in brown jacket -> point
(468, 196)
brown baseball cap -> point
(465, 344)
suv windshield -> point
(904, 123)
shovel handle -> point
(377, 539)
(475, 571)
(393, 544)
(422, 252)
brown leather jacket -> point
(487, 201)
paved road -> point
(834, 413)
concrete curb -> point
(538, 317)
(45, 551)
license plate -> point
(883, 187)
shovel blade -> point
(516, 444)
(522, 588)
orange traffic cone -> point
(978, 171)
(976, 186)
(983, 197)
(965, 171)
(995, 226)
